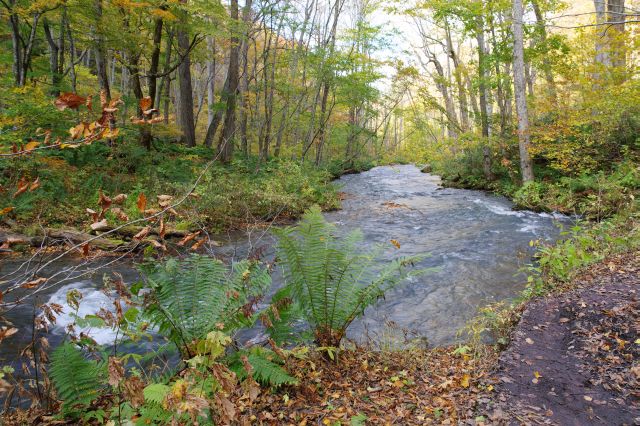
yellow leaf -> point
(396, 243)
(465, 381)
(537, 374)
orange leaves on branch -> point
(31, 145)
(142, 202)
(34, 283)
(7, 332)
(147, 113)
(103, 99)
(145, 103)
(69, 100)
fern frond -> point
(196, 295)
(266, 365)
(329, 278)
(77, 379)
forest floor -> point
(574, 359)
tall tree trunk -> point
(186, 122)
(327, 80)
(21, 50)
(211, 78)
(602, 54)
(155, 61)
(225, 146)
(526, 165)
(72, 58)
(54, 56)
(457, 73)
(615, 37)
(244, 86)
(16, 43)
(484, 112)
(268, 105)
(165, 83)
(100, 51)
(546, 64)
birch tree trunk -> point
(526, 165)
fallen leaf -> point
(142, 234)
(464, 382)
(100, 226)
(188, 238)
(35, 185)
(119, 199)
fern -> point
(77, 379)
(194, 296)
(266, 365)
(329, 278)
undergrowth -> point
(227, 197)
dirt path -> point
(575, 358)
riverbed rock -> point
(427, 168)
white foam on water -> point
(91, 302)
(498, 209)
(506, 211)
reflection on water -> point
(477, 242)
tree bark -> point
(526, 165)
(186, 122)
(484, 114)
(225, 146)
(615, 36)
(546, 64)
(100, 52)
(54, 56)
(155, 61)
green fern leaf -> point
(77, 379)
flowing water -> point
(475, 240)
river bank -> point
(80, 198)
(474, 239)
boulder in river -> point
(427, 168)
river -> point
(477, 242)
